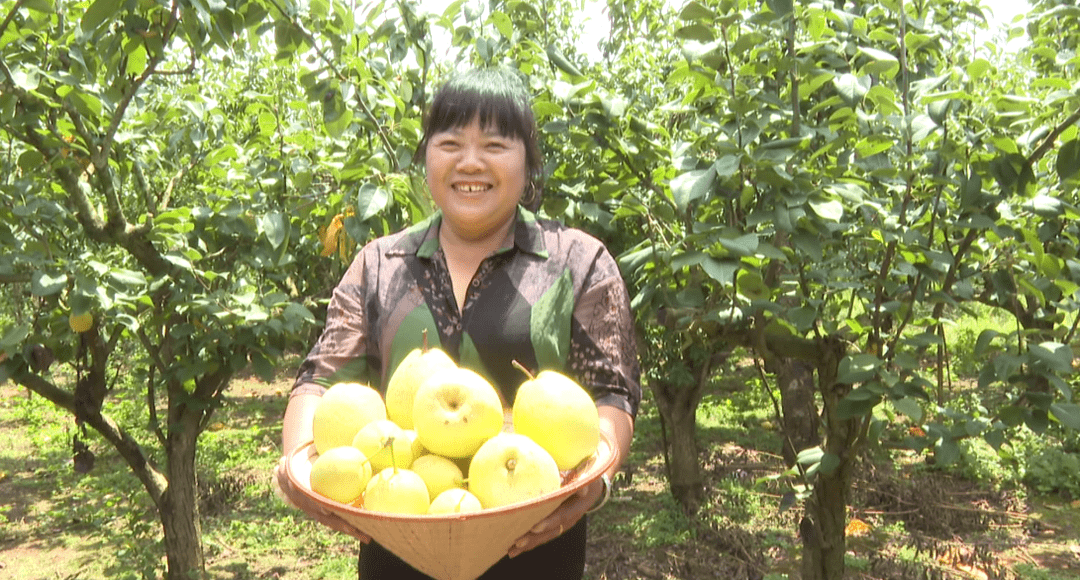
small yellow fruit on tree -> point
(343, 410)
(340, 474)
(81, 322)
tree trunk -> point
(825, 519)
(678, 417)
(795, 379)
(179, 505)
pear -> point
(556, 412)
(343, 410)
(438, 472)
(398, 491)
(417, 366)
(341, 474)
(385, 444)
(511, 468)
(455, 500)
(455, 411)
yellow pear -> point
(438, 472)
(398, 491)
(511, 468)
(341, 474)
(414, 443)
(455, 411)
(81, 322)
(417, 366)
(455, 500)
(343, 410)
(560, 415)
(385, 444)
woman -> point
(495, 284)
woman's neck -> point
(464, 256)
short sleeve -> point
(603, 348)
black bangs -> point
(494, 107)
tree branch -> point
(1048, 142)
(152, 479)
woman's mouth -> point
(472, 187)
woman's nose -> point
(470, 159)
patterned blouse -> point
(552, 298)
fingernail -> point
(538, 529)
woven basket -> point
(457, 546)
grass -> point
(60, 524)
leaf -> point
(909, 407)
(1067, 413)
(43, 6)
(851, 87)
(503, 24)
(1068, 159)
(946, 451)
(127, 277)
(98, 11)
(275, 226)
(45, 284)
(721, 271)
(696, 11)
(829, 463)
(781, 7)
(977, 68)
(15, 335)
(829, 209)
(370, 200)
(1058, 357)
(857, 368)
(696, 32)
(727, 165)
(810, 455)
(691, 186)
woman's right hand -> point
(293, 497)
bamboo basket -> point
(457, 546)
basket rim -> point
(594, 467)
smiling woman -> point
(497, 286)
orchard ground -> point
(907, 520)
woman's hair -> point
(497, 97)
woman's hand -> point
(563, 518)
(293, 497)
(619, 427)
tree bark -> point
(179, 505)
(678, 416)
(795, 379)
(825, 518)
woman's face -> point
(477, 178)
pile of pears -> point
(441, 442)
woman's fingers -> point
(563, 518)
(292, 497)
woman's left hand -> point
(563, 518)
